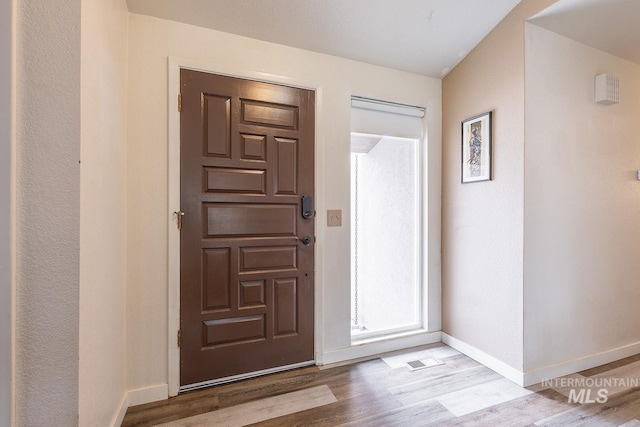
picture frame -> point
(476, 144)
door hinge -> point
(179, 338)
(179, 214)
(179, 102)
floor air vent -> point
(414, 365)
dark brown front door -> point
(246, 273)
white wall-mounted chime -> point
(607, 89)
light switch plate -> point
(334, 218)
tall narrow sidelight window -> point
(386, 273)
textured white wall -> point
(582, 203)
(388, 235)
(151, 41)
(48, 219)
(6, 171)
(103, 225)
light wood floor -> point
(385, 392)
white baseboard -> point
(147, 394)
(139, 397)
(119, 417)
(580, 364)
(373, 348)
(487, 360)
(526, 379)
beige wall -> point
(582, 202)
(151, 41)
(103, 206)
(91, 239)
(7, 38)
(482, 223)
(48, 206)
(540, 265)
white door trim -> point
(173, 253)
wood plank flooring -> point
(385, 392)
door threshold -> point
(218, 381)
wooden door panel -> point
(284, 300)
(251, 294)
(246, 285)
(268, 259)
(216, 263)
(217, 126)
(250, 220)
(286, 167)
(238, 181)
(253, 148)
(269, 114)
(235, 330)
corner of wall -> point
(138, 397)
(482, 223)
(491, 362)
(581, 222)
(103, 204)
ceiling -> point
(608, 25)
(428, 37)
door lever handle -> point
(306, 240)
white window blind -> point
(386, 118)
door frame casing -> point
(173, 252)
(8, 210)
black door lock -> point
(307, 207)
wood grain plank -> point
(420, 414)
(610, 366)
(523, 411)
(175, 408)
(481, 396)
(433, 387)
(371, 393)
(260, 410)
(353, 408)
(617, 411)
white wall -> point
(6, 204)
(582, 204)
(48, 219)
(482, 222)
(388, 235)
(151, 41)
(103, 206)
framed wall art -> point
(476, 148)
